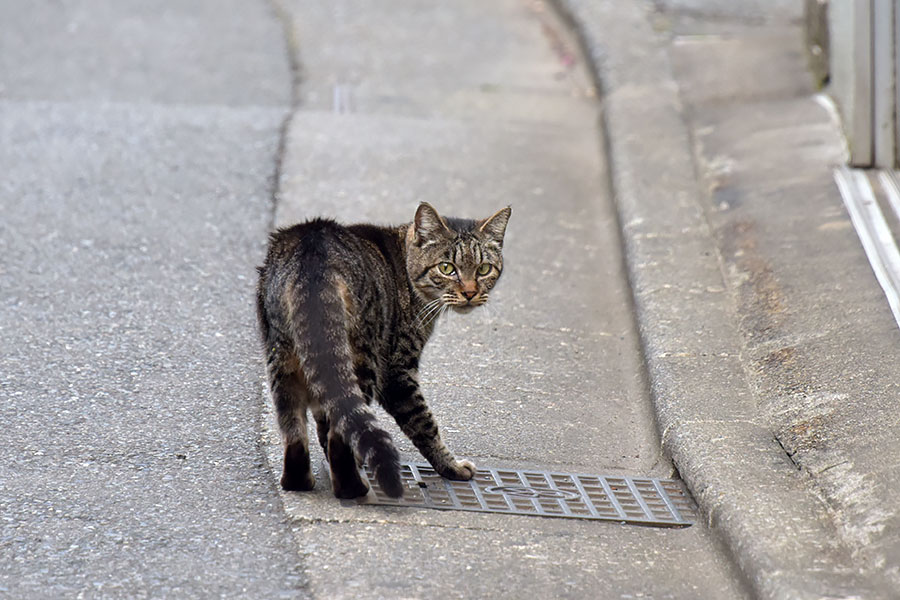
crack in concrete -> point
(788, 453)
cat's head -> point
(455, 262)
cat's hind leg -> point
(290, 396)
(345, 479)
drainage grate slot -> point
(646, 501)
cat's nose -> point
(469, 294)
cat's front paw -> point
(460, 470)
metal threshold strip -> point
(861, 197)
(643, 501)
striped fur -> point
(344, 313)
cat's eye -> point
(446, 268)
(484, 268)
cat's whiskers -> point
(447, 303)
(456, 300)
(444, 309)
(489, 312)
(423, 320)
(428, 312)
(435, 314)
(428, 306)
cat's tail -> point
(327, 363)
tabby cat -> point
(344, 313)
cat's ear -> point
(429, 224)
(495, 225)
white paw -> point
(463, 470)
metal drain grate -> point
(660, 502)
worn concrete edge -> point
(738, 498)
(282, 12)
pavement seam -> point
(282, 14)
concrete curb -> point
(778, 531)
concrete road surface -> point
(140, 149)
(138, 145)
